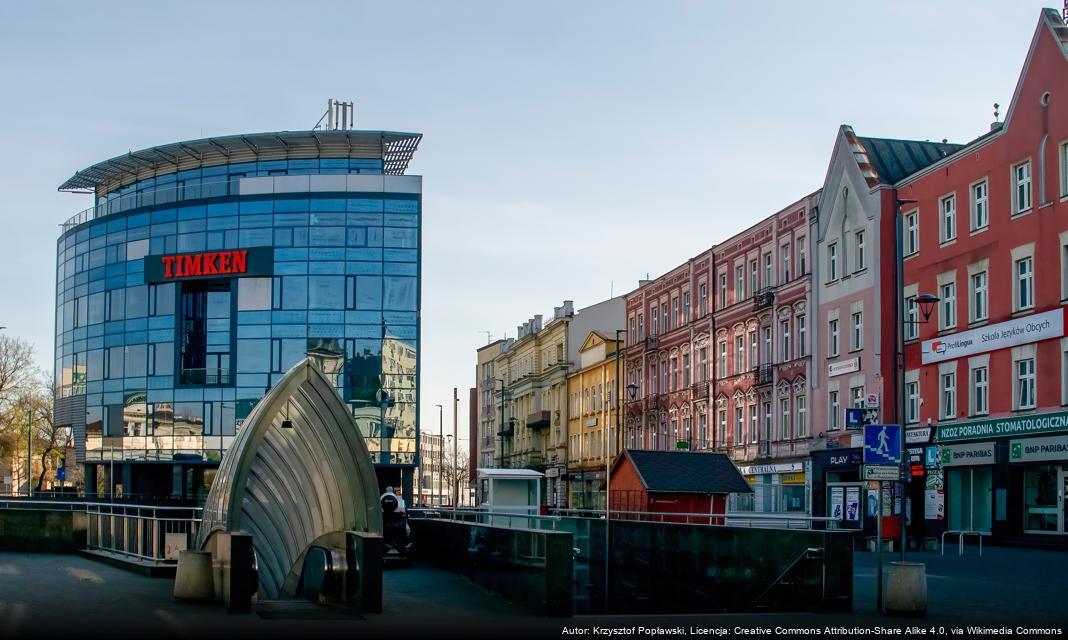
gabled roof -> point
(596, 337)
(685, 471)
(887, 160)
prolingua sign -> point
(1033, 328)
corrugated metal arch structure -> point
(289, 487)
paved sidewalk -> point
(63, 595)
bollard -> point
(193, 580)
(906, 589)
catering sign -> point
(1025, 330)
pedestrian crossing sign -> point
(882, 444)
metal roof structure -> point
(685, 471)
(887, 160)
(394, 148)
(297, 472)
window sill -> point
(947, 330)
(982, 322)
(1022, 312)
(1022, 213)
(983, 229)
(856, 350)
(946, 243)
(911, 255)
(860, 271)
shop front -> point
(837, 490)
(586, 489)
(777, 488)
(1006, 478)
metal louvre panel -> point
(70, 412)
(288, 487)
(394, 148)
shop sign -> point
(792, 478)
(881, 472)
(756, 469)
(843, 366)
(1032, 328)
(200, 265)
(1001, 427)
(966, 455)
(931, 457)
(871, 401)
(852, 504)
(844, 459)
(1039, 449)
(919, 435)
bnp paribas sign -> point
(1033, 424)
(1024, 330)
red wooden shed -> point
(682, 482)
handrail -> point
(766, 520)
(31, 504)
(805, 555)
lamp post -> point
(500, 432)
(441, 447)
(926, 304)
(454, 488)
(451, 466)
(632, 391)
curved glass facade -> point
(169, 365)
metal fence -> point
(145, 533)
(553, 521)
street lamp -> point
(632, 391)
(441, 447)
(500, 434)
(451, 465)
(926, 303)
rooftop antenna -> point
(996, 105)
(489, 335)
(339, 116)
(1064, 15)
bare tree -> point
(16, 365)
(456, 473)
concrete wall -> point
(42, 531)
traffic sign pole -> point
(879, 552)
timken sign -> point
(257, 261)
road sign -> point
(61, 474)
(854, 419)
(884, 472)
(882, 444)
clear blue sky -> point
(568, 146)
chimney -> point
(569, 307)
(536, 323)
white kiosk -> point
(510, 492)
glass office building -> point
(209, 267)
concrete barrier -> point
(42, 530)
(193, 580)
(906, 588)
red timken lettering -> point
(209, 263)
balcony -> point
(539, 420)
(652, 342)
(763, 298)
(534, 461)
(763, 374)
(651, 402)
(507, 430)
(699, 390)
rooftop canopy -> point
(394, 148)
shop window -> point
(969, 499)
(1042, 486)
